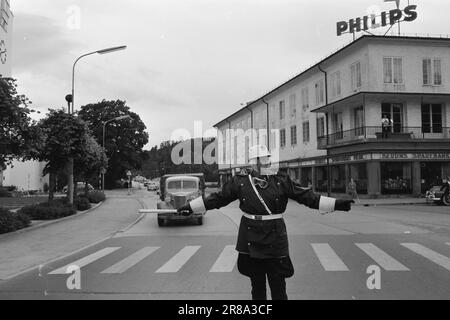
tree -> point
(19, 137)
(67, 136)
(124, 139)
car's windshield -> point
(182, 185)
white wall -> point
(25, 176)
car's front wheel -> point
(446, 200)
(200, 221)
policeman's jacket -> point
(264, 239)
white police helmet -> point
(258, 151)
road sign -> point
(128, 173)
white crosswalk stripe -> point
(434, 256)
(179, 260)
(226, 261)
(130, 261)
(86, 260)
(381, 258)
(328, 258)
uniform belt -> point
(264, 218)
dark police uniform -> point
(263, 244)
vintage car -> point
(436, 195)
(175, 192)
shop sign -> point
(373, 21)
(415, 156)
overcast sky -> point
(186, 60)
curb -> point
(48, 223)
(40, 266)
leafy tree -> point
(124, 139)
(19, 137)
(67, 136)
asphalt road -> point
(408, 245)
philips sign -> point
(374, 21)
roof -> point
(350, 45)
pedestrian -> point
(352, 190)
(385, 125)
(262, 239)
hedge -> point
(48, 211)
(4, 193)
(82, 203)
(96, 196)
(10, 221)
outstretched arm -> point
(217, 200)
(315, 201)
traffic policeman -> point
(262, 240)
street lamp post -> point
(104, 134)
(72, 99)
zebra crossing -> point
(226, 262)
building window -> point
(282, 110)
(283, 138)
(4, 20)
(294, 135)
(293, 106)
(432, 118)
(432, 73)
(393, 111)
(306, 136)
(393, 70)
(358, 118)
(305, 99)
(335, 79)
(338, 125)
(321, 127)
(355, 70)
(320, 92)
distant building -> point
(327, 120)
(24, 175)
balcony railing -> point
(376, 133)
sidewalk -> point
(25, 250)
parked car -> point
(436, 195)
(152, 186)
(79, 187)
(178, 190)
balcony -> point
(365, 134)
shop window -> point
(396, 178)
(338, 179)
(432, 118)
(393, 111)
(358, 172)
(306, 177)
(321, 179)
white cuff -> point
(198, 206)
(326, 205)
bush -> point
(4, 193)
(96, 196)
(82, 203)
(10, 221)
(48, 211)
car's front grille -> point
(179, 201)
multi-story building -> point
(23, 175)
(329, 119)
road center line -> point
(131, 261)
(86, 260)
(178, 261)
(328, 258)
(381, 258)
(226, 261)
(435, 257)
